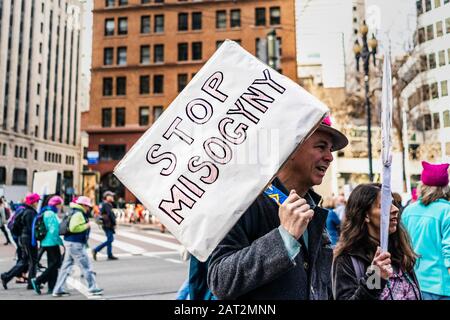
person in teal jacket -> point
(50, 244)
(428, 223)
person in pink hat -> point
(76, 242)
(50, 244)
(428, 223)
(29, 252)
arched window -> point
(19, 177)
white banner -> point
(386, 149)
(217, 146)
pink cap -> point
(435, 175)
(32, 198)
(84, 200)
(55, 200)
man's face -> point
(312, 159)
(109, 198)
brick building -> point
(146, 51)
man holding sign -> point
(281, 251)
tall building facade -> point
(146, 51)
(425, 84)
(325, 50)
(40, 45)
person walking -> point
(109, 225)
(29, 252)
(333, 222)
(75, 242)
(360, 270)
(51, 245)
(428, 223)
(3, 220)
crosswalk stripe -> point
(157, 242)
(120, 244)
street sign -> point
(92, 157)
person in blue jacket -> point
(428, 223)
(50, 244)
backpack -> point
(38, 229)
(14, 223)
(65, 223)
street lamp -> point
(369, 48)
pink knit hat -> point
(32, 198)
(55, 200)
(434, 175)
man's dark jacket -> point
(252, 262)
(108, 216)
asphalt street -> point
(149, 268)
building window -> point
(421, 35)
(441, 55)
(108, 56)
(4, 149)
(123, 26)
(432, 60)
(182, 51)
(106, 117)
(446, 118)
(145, 1)
(434, 90)
(144, 113)
(437, 3)
(121, 86)
(182, 81)
(109, 27)
(35, 154)
(109, 3)
(145, 24)
(19, 177)
(158, 83)
(159, 53)
(122, 56)
(219, 43)
(145, 54)
(448, 55)
(159, 23)
(196, 20)
(2, 175)
(436, 122)
(221, 19)
(439, 29)
(196, 51)
(444, 88)
(427, 122)
(182, 21)
(425, 92)
(120, 117)
(107, 86)
(419, 7)
(107, 152)
(123, 2)
(157, 111)
(430, 32)
(275, 16)
(447, 25)
(235, 18)
(144, 84)
(427, 5)
(260, 16)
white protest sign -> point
(217, 146)
(45, 181)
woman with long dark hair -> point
(360, 270)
